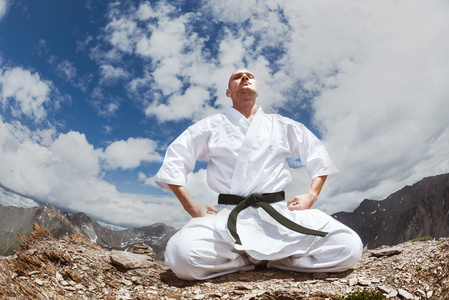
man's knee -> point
(180, 257)
(354, 249)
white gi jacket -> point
(245, 158)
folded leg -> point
(198, 252)
(337, 252)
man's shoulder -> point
(218, 117)
(210, 121)
(281, 119)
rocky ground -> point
(74, 268)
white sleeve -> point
(181, 157)
(311, 151)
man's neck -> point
(248, 108)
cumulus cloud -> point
(383, 113)
(373, 76)
(68, 174)
(173, 56)
(41, 165)
(67, 70)
(74, 150)
(24, 93)
(183, 106)
(131, 153)
(122, 33)
(375, 82)
(370, 74)
(111, 74)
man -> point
(246, 151)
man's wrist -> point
(313, 194)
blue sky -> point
(92, 92)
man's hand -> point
(197, 210)
(306, 201)
(301, 202)
(194, 208)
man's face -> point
(242, 82)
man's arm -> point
(194, 208)
(305, 201)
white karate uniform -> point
(245, 158)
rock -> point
(142, 248)
(34, 273)
(40, 281)
(375, 280)
(132, 255)
(364, 282)
(386, 252)
(127, 282)
(385, 289)
(392, 294)
(353, 281)
(244, 287)
(405, 295)
(130, 260)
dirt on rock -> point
(75, 268)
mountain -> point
(414, 211)
(15, 220)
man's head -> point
(242, 84)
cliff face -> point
(15, 220)
(414, 211)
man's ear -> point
(228, 92)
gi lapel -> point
(239, 177)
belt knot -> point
(254, 199)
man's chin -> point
(249, 90)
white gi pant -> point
(204, 249)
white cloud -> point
(383, 91)
(145, 11)
(180, 106)
(67, 174)
(171, 52)
(24, 93)
(377, 73)
(4, 5)
(74, 150)
(166, 76)
(66, 69)
(234, 11)
(111, 74)
(9, 198)
(374, 75)
(122, 33)
(131, 153)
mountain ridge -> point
(415, 211)
(17, 220)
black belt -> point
(263, 201)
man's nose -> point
(245, 77)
